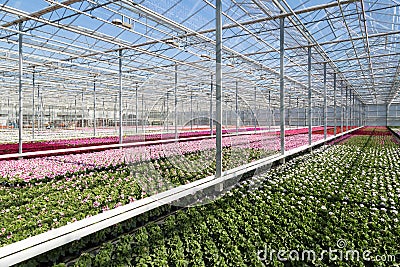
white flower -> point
(323, 207)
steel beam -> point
(176, 102)
(94, 108)
(20, 96)
(218, 75)
(347, 110)
(167, 108)
(269, 109)
(334, 105)
(255, 108)
(136, 109)
(325, 105)
(142, 116)
(120, 134)
(40, 13)
(33, 103)
(282, 83)
(298, 112)
(236, 108)
(309, 97)
(191, 109)
(211, 106)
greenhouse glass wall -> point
(199, 133)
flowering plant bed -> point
(40, 206)
(343, 197)
(11, 148)
(37, 169)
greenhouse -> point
(199, 133)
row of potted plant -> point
(10, 148)
(30, 210)
(339, 198)
(36, 169)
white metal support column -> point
(255, 109)
(334, 105)
(269, 109)
(211, 106)
(309, 98)
(387, 113)
(120, 95)
(176, 102)
(364, 115)
(282, 84)
(103, 115)
(341, 108)
(218, 87)
(33, 103)
(76, 116)
(354, 110)
(347, 111)
(167, 107)
(237, 108)
(350, 110)
(288, 109)
(136, 108)
(191, 109)
(83, 111)
(142, 114)
(325, 105)
(298, 113)
(20, 118)
(94, 108)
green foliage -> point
(347, 192)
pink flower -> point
(105, 208)
(96, 204)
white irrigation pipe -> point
(36, 245)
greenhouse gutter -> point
(36, 245)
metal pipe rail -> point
(36, 245)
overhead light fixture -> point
(121, 22)
(172, 42)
